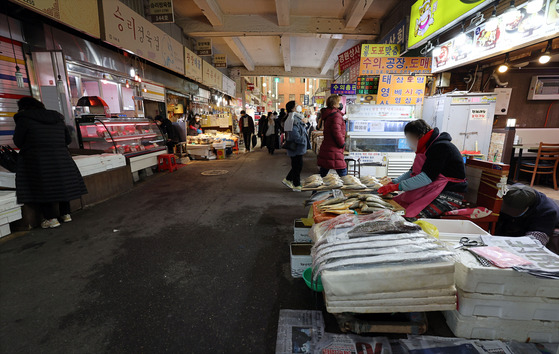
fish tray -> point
(403, 323)
(320, 216)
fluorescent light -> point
(511, 122)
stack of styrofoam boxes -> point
(7, 179)
(498, 303)
(10, 211)
(301, 258)
(89, 164)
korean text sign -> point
(379, 50)
(349, 57)
(401, 66)
(161, 11)
(192, 65)
(126, 29)
(401, 89)
(343, 89)
(397, 35)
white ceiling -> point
(261, 46)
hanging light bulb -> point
(145, 88)
(127, 84)
(505, 66)
(132, 72)
(60, 84)
(546, 56)
(19, 78)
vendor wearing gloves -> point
(527, 212)
(437, 181)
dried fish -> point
(333, 201)
(389, 226)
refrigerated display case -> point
(140, 140)
(376, 138)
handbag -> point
(8, 158)
(254, 140)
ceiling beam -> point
(240, 51)
(286, 51)
(247, 25)
(332, 52)
(282, 10)
(280, 71)
(355, 13)
(211, 10)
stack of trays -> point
(398, 288)
(379, 263)
(503, 304)
(10, 211)
(7, 179)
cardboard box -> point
(300, 231)
(301, 258)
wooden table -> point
(515, 166)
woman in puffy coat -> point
(331, 154)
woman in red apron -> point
(436, 182)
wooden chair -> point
(546, 163)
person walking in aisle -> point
(296, 145)
(246, 123)
(263, 128)
(46, 174)
(331, 153)
(271, 134)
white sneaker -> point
(66, 218)
(50, 224)
(297, 189)
(288, 184)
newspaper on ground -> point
(299, 331)
(544, 262)
(352, 344)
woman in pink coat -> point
(331, 154)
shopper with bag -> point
(331, 154)
(246, 123)
(46, 173)
(296, 145)
(271, 134)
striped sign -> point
(10, 93)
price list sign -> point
(367, 85)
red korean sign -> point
(349, 57)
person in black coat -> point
(246, 123)
(169, 132)
(263, 128)
(46, 173)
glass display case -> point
(128, 136)
(376, 138)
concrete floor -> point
(183, 263)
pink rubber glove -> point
(388, 188)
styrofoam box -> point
(472, 277)
(8, 200)
(441, 303)
(525, 308)
(5, 230)
(300, 231)
(453, 228)
(301, 258)
(7, 179)
(9, 216)
(503, 329)
(391, 278)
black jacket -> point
(250, 123)
(543, 216)
(169, 130)
(46, 173)
(443, 157)
(262, 126)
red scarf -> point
(422, 144)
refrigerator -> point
(467, 117)
(376, 138)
